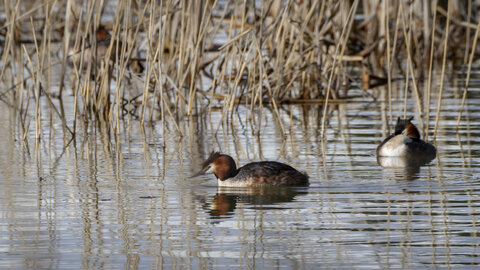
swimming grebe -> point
(263, 173)
(406, 142)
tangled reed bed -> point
(165, 60)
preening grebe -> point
(406, 142)
(263, 173)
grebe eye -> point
(209, 169)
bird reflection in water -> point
(404, 168)
(227, 199)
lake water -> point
(107, 201)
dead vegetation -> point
(149, 60)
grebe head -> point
(102, 33)
(223, 166)
(411, 131)
(405, 127)
(401, 125)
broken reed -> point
(168, 60)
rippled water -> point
(126, 202)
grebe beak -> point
(201, 172)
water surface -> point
(107, 201)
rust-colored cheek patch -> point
(412, 131)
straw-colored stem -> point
(467, 80)
(430, 69)
(389, 65)
(345, 33)
(442, 76)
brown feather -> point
(412, 131)
(211, 158)
(225, 167)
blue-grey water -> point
(121, 198)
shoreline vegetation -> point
(168, 60)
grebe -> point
(91, 53)
(263, 173)
(406, 142)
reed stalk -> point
(345, 33)
(467, 80)
(389, 64)
(407, 37)
(430, 69)
(442, 76)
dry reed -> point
(168, 60)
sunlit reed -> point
(170, 60)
